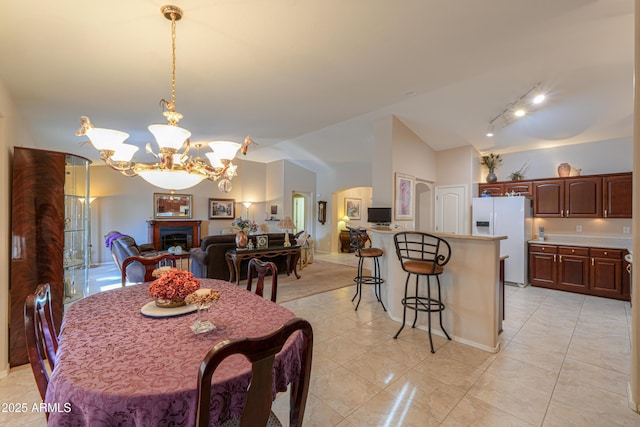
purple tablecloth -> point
(118, 367)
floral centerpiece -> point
(172, 286)
(245, 224)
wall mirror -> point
(172, 205)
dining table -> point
(118, 366)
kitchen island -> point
(470, 287)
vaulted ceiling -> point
(307, 78)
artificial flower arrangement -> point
(173, 284)
(245, 224)
(491, 161)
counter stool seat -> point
(357, 240)
(422, 254)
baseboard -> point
(632, 404)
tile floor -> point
(564, 362)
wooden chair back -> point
(261, 268)
(261, 353)
(42, 338)
(149, 263)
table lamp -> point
(346, 220)
(286, 224)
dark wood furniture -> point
(235, 257)
(261, 268)
(41, 336)
(586, 270)
(155, 225)
(591, 196)
(149, 264)
(41, 242)
(261, 352)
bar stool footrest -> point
(423, 304)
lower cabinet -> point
(592, 271)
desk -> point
(235, 256)
(117, 367)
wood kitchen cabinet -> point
(522, 188)
(491, 188)
(579, 197)
(591, 271)
(617, 194)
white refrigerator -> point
(511, 217)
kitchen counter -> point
(470, 287)
(590, 241)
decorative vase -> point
(170, 303)
(242, 239)
(492, 176)
(564, 169)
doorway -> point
(451, 202)
(424, 206)
(299, 203)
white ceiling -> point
(306, 78)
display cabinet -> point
(49, 235)
(76, 255)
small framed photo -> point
(404, 190)
(352, 208)
(222, 208)
(274, 209)
(262, 241)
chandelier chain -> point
(172, 106)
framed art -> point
(222, 208)
(172, 205)
(262, 241)
(352, 208)
(403, 197)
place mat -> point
(150, 309)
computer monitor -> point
(379, 216)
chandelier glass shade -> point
(174, 169)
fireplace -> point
(165, 234)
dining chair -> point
(261, 268)
(422, 254)
(147, 264)
(41, 335)
(261, 353)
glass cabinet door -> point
(76, 254)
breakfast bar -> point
(470, 287)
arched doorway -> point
(424, 206)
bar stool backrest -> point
(424, 247)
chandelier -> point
(174, 170)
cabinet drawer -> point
(606, 253)
(548, 249)
(573, 250)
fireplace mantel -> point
(155, 225)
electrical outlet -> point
(579, 228)
(626, 230)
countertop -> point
(591, 241)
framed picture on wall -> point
(352, 208)
(403, 197)
(222, 208)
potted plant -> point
(491, 161)
(519, 174)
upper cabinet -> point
(595, 196)
(617, 195)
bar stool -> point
(422, 254)
(357, 241)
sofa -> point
(208, 260)
(122, 247)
